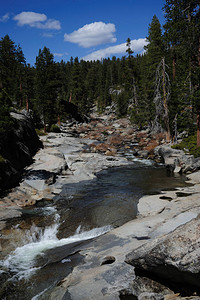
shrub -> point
(189, 144)
(54, 128)
(40, 132)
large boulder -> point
(177, 160)
(17, 146)
(172, 259)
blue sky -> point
(89, 29)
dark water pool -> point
(112, 198)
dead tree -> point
(161, 97)
(175, 130)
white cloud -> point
(136, 46)
(50, 24)
(93, 34)
(30, 18)
(5, 18)
(58, 54)
(37, 20)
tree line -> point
(159, 88)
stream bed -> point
(41, 247)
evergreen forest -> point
(159, 89)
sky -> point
(87, 29)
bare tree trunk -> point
(45, 128)
(70, 97)
(59, 122)
(166, 114)
(27, 104)
(44, 122)
(175, 130)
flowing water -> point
(45, 240)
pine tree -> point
(114, 72)
(182, 34)
(78, 86)
(46, 88)
(100, 87)
(162, 94)
(150, 61)
(8, 66)
(142, 116)
(129, 50)
(155, 47)
(12, 70)
(29, 87)
(20, 76)
(173, 27)
(92, 83)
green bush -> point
(189, 144)
(54, 128)
(40, 132)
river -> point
(43, 244)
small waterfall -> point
(22, 260)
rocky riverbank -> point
(155, 256)
(64, 159)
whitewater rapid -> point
(21, 261)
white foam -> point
(78, 230)
(22, 260)
(144, 161)
(49, 210)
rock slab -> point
(17, 147)
(172, 259)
